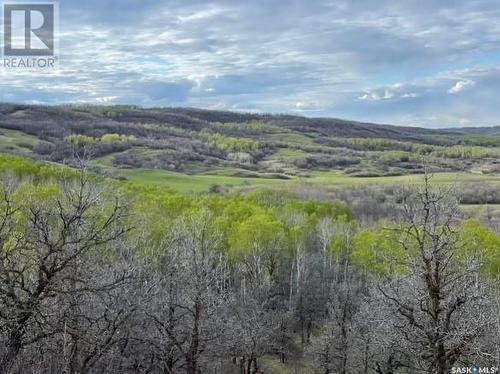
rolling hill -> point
(184, 146)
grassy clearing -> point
(241, 178)
(191, 183)
(339, 178)
(16, 141)
(291, 138)
(106, 160)
(16, 137)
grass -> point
(236, 178)
(17, 141)
(16, 137)
(106, 160)
(339, 178)
(191, 183)
(291, 138)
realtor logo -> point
(29, 29)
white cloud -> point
(201, 14)
(395, 91)
(306, 106)
(460, 86)
(330, 58)
(464, 122)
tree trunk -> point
(343, 330)
(255, 366)
(13, 347)
(192, 355)
(249, 366)
(242, 365)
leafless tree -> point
(190, 289)
(441, 306)
(43, 241)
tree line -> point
(96, 278)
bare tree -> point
(190, 290)
(43, 239)
(440, 305)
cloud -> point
(464, 122)
(430, 104)
(460, 86)
(393, 92)
(371, 60)
(304, 107)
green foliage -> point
(253, 223)
(155, 209)
(251, 127)
(261, 233)
(378, 252)
(51, 202)
(481, 242)
(465, 152)
(467, 139)
(396, 156)
(36, 170)
(169, 139)
(229, 143)
(271, 197)
(382, 144)
(116, 138)
(266, 221)
(390, 146)
(79, 139)
(316, 209)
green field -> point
(339, 178)
(16, 141)
(235, 178)
(193, 183)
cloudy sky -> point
(421, 62)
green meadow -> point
(203, 181)
(193, 183)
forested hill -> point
(194, 141)
(110, 272)
(68, 119)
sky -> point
(408, 62)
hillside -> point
(147, 279)
(493, 130)
(181, 146)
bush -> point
(79, 139)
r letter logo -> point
(30, 34)
(29, 29)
